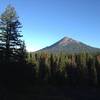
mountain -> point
(69, 45)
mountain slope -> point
(69, 45)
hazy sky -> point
(47, 21)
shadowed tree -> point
(82, 66)
(11, 46)
(92, 72)
(43, 67)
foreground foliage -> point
(47, 76)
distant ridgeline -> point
(69, 46)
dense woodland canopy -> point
(76, 69)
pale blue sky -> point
(47, 21)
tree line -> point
(75, 69)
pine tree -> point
(82, 66)
(10, 43)
(43, 68)
(92, 72)
(52, 67)
(97, 59)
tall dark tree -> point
(92, 72)
(11, 46)
(43, 67)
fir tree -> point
(11, 46)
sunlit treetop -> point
(9, 14)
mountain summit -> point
(66, 41)
(69, 45)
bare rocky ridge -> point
(66, 41)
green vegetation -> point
(12, 48)
(80, 69)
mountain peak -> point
(66, 40)
(70, 46)
(65, 37)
